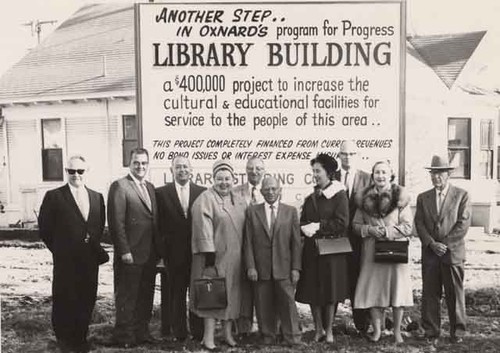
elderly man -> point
(273, 259)
(174, 209)
(71, 223)
(133, 222)
(250, 191)
(355, 181)
(442, 220)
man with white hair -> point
(71, 224)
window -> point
(52, 146)
(486, 161)
(459, 146)
(130, 137)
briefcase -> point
(329, 246)
(210, 293)
(391, 251)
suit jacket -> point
(243, 191)
(133, 226)
(62, 226)
(362, 180)
(448, 227)
(175, 229)
(274, 255)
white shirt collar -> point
(74, 190)
(332, 189)
(137, 181)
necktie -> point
(145, 195)
(254, 196)
(82, 202)
(184, 200)
(440, 201)
(273, 218)
(346, 183)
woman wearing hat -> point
(383, 213)
(218, 220)
(324, 279)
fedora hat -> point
(440, 163)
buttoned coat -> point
(448, 227)
(175, 229)
(274, 254)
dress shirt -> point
(350, 178)
(439, 203)
(143, 191)
(183, 194)
(267, 207)
(81, 197)
(258, 196)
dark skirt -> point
(324, 279)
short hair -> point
(253, 158)
(328, 163)
(388, 163)
(139, 150)
(180, 156)
(77, 156)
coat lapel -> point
(72, 202)
(175, 198)
(448, 200)
(134, 186)
(431, 204)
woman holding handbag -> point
(383, 219)
(325, 215)
(218, 221)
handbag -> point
(391, 251)
(210, 293)
(329, 246)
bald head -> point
(271, 189)
(347, 154)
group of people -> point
(266, 252)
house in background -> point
(75, 94)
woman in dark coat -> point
(324, 279)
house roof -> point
(446, 54)
(90, 55)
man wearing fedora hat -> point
(442, 220)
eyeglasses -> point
(73, 171)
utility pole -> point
(36, 27)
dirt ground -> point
(25, 282)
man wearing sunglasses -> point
(71, 223)
(133, 225)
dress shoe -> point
(213, 349)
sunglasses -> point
(73, 171)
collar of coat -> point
(381, 204)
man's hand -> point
(295, 276)
(438, 248)
(252, 274)
(127, 258)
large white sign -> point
(282, 81)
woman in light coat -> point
(218, 221)
(383, 214)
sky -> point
(423, 17)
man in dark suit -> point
(251, 193)
(71, 223)
(442, 220)
(273, 259)
(133, 222)
(174, 208)
(355, 181)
